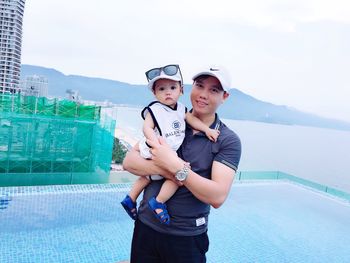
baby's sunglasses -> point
(169, 70)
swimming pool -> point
(260, 222)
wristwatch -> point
(182, 174)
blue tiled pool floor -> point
(260, 222)
(98, 242)
(279, 223)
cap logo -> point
(214, 69)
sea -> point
(316, 154)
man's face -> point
(207, 95)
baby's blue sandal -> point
(163, 216)
(130, 207)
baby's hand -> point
(212, 134)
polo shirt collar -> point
(215, 125)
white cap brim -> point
(219, 73)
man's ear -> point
(225, 96)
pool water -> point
(279, 223)
(260, 222)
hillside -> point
(239, 105)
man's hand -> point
(164, 157)
(134, 163)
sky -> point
(287, 52)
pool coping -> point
(242, 176)
(278, 175)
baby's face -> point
(167, 91)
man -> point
(205, 183)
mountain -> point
(239, 105)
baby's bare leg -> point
(167, 190)
(138, 187)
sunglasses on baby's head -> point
(169, 70)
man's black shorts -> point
(150, 246)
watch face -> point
(182, 174)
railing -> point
(277, 175)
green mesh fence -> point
(47, 107)
(41, 137)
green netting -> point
(30, 105)
(46, 107)
(6, 103)
(88, 111)
(48, 136)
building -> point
(73, 95)
(35, 86)
(11, 16)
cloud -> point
(286, 52)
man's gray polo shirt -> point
(188, 215)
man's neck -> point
(206, 119)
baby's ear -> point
(182, 89)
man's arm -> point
(213, 192)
